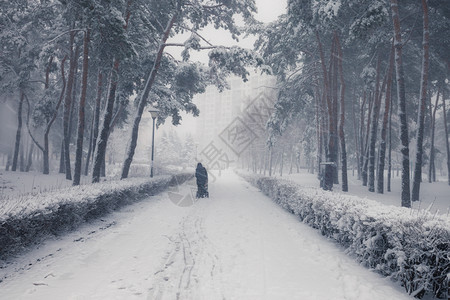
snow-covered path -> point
(237, 244)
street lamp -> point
(154, 113)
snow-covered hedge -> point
(409, 246)
(34, 217)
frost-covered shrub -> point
(408, 246)
(37, 216)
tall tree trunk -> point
(323, 129)
(8, 161)
(356, 138)
(366, 141)
(432, 168)
(33, 140)
(61, 158)
(333, 77)
(329, 168)
(100, 153)
(97, 110)
(102, 139)
(143, 100)
(342, 119)
(361, 135)
(270, 161)
(68, 107)
(30, 158)
(318, 129)
(89, 153)
(103, 167)
(423, 102)
(18, 133)
(374, 129)
(275, 166)
(22, 159)
(401, 96)
(444, 114)
(80, 133)
(387, 111)
(45, 152)
(389, 175)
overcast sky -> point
(269, 10)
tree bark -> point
(104, 133)
(444, 114)
(387, 111)
(18, 133)
(22, 159)
(401, 96)
(45, 148)
(356, 138)
(389, 175)
(333, 77)
(374, 129)
(423, 102)
(80, 133)
(30, 158)
(68, 106)
(361, 135)
(270, 161)
(432, 168)
(61, 158)
(342, 119)
(143, 100)
(366, 141)
(97, 111)
(100, 153)
(46, 160)
(318, 129)
(8, 161)
(329, 169)
(89, 153)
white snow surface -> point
(434, 197)
(237, 244)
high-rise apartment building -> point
(219, 109)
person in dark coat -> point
(202, 181)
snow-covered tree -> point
(173, 17)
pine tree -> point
(405, 197)
(423, 101)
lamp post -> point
(154, 113)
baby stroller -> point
(202, 191)
(202, 181)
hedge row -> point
(411, 247)
(47, 214)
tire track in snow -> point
(192, 264)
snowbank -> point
(408, 246)
(29, 219)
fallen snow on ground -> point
(434, 197)
(237, 244)
(14, 184)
